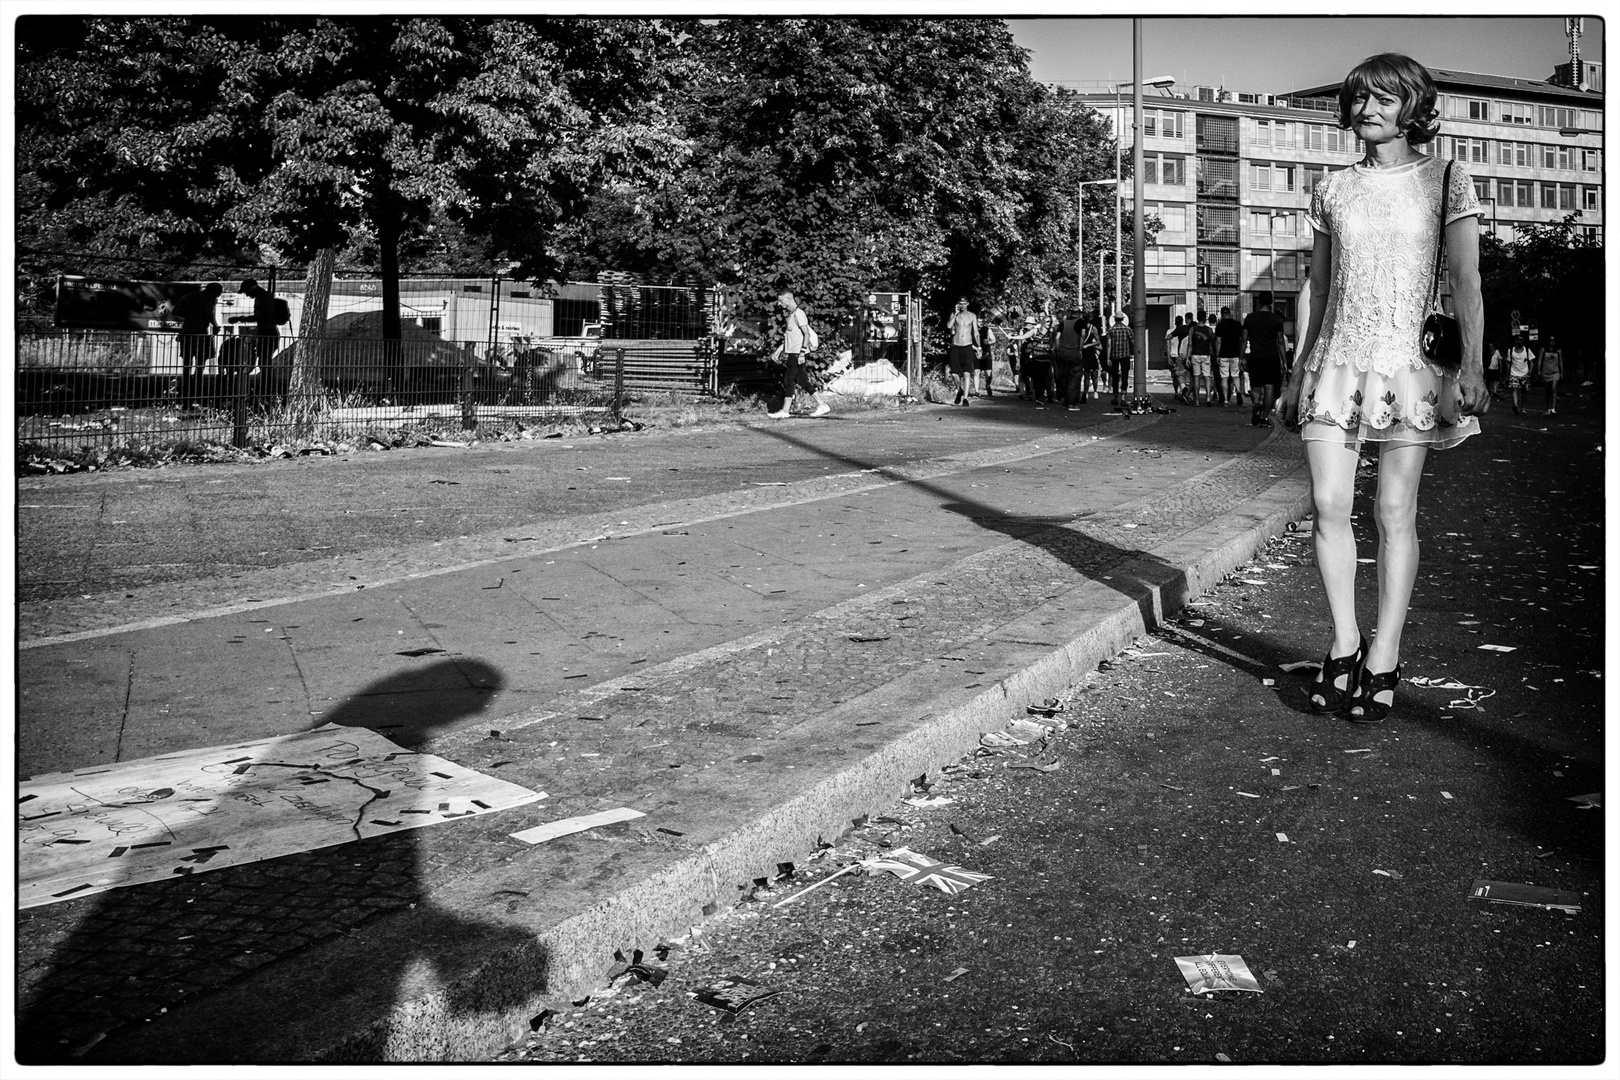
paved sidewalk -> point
(751, 670)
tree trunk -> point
(386, 221)
(306, 401)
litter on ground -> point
(1217, 971)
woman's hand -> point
(1474, 396)
(1286, 412)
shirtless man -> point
(964, 356)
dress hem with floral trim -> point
(1419, 405)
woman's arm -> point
(1317, 285)
(1462, 259)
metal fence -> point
(471, 352)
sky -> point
(1276, 54)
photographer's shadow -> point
(338, 952)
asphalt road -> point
(1197, 809)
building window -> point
(1167, 262)
(1513, 153)
(1589, 161)
(1164, 169)
(1313, 175)
(1553, 117)
(1470, 108)
(1173, 217)
(1268, 177)
(1482, 189)
(1162, 123)
(1285, 224)
(1526, 193)
(1589, 198)
(1262, 133)
(1323, 137)
(1471, 150)
(1593, 120)
(1558, 196)
(1516, 112)
(1263, 267)
(1217, 177)
(1556, 157)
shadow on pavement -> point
(125, 957)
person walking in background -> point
(1552, 369)
(1038, 363)
(1172, 352)
(199, 322)
(1066, 359)
(1263, 334)
(1493, 371)
(1229, 355)
(1119, 349)
(985, 362)
(1363, 376)
(797, 342)
(1201, 343)
(1090, 359)
(1519, 357)
(964, 357)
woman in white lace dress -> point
(1362, 376)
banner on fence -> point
(118, 304)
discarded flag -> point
(914, 868)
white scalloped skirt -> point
(1414, 405)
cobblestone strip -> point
(62, 620)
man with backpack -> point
(1067, 351)
(799, 339)
(1201, 339)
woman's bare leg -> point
(1400, 471)
(1333, 491)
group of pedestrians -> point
(1220, 361)
(1523, 367)
(1067, 362)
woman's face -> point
(1376, 116)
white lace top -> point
(1385, 225)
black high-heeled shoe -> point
(1368, 685)
(1326, 685)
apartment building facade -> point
(1230, 175)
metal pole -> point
(1119, 219)
(1138, 247)
(1080, 246)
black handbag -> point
(1441, 339)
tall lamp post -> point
(1080, 247)
(1139, 402)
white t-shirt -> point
(793, 337)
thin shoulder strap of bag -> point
(1440, 246)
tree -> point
(306, 136)
(1553, 275)
(839, 156)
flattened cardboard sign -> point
(88, 831)
(1217, 971)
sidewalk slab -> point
(742, 754)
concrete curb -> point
(478, 1006)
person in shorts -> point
(964, 355)
(1229, 357)
(1037, 367)
(1201, 349)
(1090, 359)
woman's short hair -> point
(1402, 77)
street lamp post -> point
(1139, 262)
(1080, 247)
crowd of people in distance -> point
(1523, 367)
